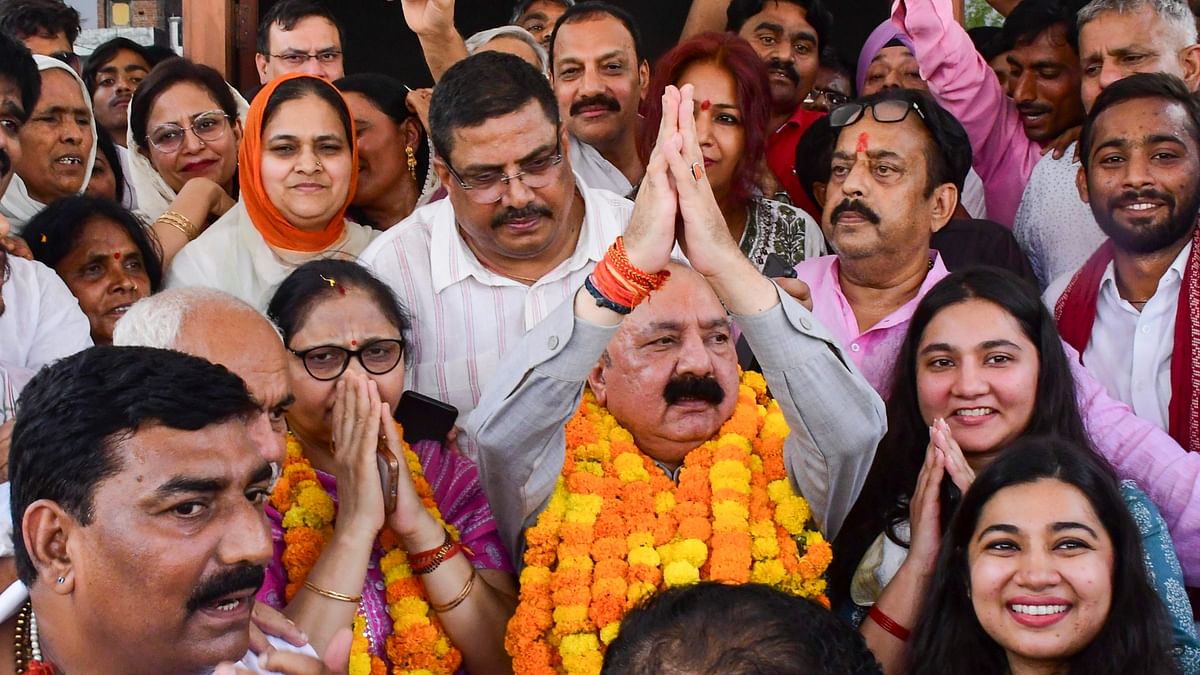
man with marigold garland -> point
(668, 472)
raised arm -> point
(963, 83)
(433, 22)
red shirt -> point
(781, 157)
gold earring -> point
(412, 160)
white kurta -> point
(233, 257)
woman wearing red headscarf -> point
(297, 169)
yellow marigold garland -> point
(417, 645)
(617, 529)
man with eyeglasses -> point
(47, 27)
(831, 89)
(892, 185)
(299, 36)
(516, 236)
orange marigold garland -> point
(617, 529)
(417, 643)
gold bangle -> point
(462, 595)
(180, 222)
(332, 595)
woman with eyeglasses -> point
(732, 113)
(183, 143)
(297, 171)
(427, 584)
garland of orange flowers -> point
(617, 529)
(418, 644)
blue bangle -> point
(601, 300)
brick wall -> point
(148, 14)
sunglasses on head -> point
(889, 111)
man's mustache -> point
(854, 206)
(786, 67)
(1033, 108)
(230, 580)
(510, 214)
(1133, 196)
(692, 387)
(599, 100)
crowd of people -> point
(743, 360)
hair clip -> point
(332, 282)
(44, 240)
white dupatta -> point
(16, 204)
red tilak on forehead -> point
(117, 255)
(354, 343)
(705, 104)
(862, 142)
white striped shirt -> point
(464, 316)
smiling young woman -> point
(982, 366)
(1041, 571)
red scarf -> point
(1075, 314)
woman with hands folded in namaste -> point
(982, 365)
(414, 565)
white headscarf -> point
(153, 194)
(16, 204)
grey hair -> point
(157, 320)
(1174, 12)
(478, 40)
(523, 5)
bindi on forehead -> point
(863, 143)
(117, 255)
(705, 105)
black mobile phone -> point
(776, 266)
(424, 418)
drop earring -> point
(412, 160)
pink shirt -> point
(1137, 449)
(963, 83)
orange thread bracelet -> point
(425, 562)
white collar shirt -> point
(1054, 227)
(465, 316)
(594, 170)
(1130, 351)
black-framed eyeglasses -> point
(488, 187)
(888, 111)
(298, 59)
(328, 362)
(833, 98)
(208, 126)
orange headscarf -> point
(267, 219)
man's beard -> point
(1145, 237)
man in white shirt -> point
(1133, 309)
(515, 237)
(141, 537)
(600, 77)
(1116, 38)
(299, 36)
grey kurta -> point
(836, 418)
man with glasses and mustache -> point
(141, 537)
(47, 27)
(892, 185)
(515, 237)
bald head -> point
(224, 330)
